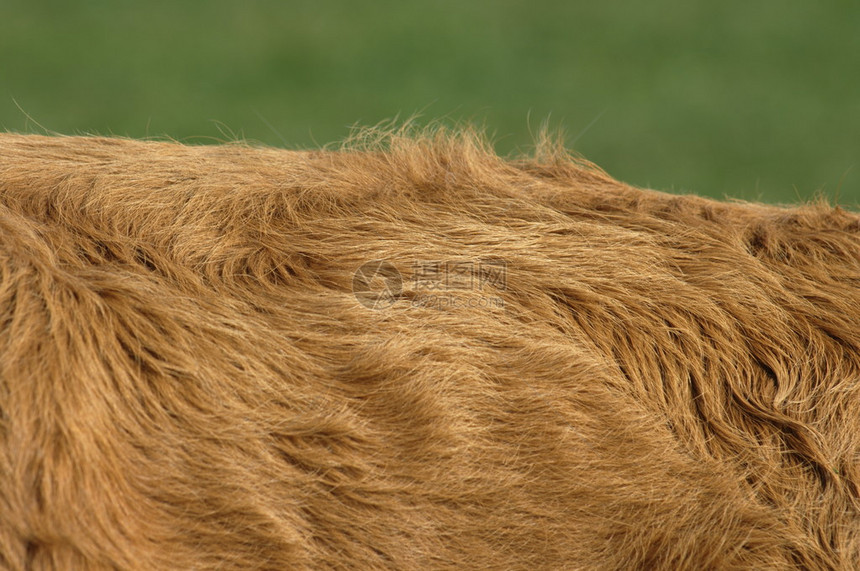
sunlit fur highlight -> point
(188, 382)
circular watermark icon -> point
(377, 284)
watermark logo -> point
(377, 284)
(459, 275)
(438, 284)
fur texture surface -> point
(188, 379)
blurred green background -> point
(754, 100)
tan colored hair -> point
(188, 381)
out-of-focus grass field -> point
(754, 100)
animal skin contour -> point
(189, 380)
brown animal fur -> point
(188, 382)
